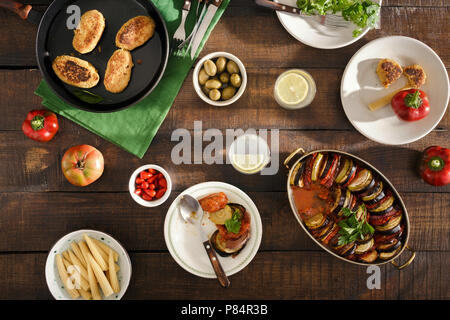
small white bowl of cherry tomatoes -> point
(150, 185)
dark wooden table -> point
(38, 205)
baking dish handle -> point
(407, 263)
(293, 154)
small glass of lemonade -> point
(294, 89)
(249, 153)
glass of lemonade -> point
(249, 153)
(294, 89)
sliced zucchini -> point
(390, 231)
(391, 224)
(317, 166)
(297, 174)
(369, 186)
(330, 234)
(339, 199)
(347, 201)
(345, 165)
(361, 212)
(316, 221)
(348, 249)
(362, 179)
(373, 192)
(364, 247)
(324, 228)
(390, 254)
(222, 215)
(383, 204)
(369, 256)
(326, 165)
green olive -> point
(214, 94)
(213, 84)
(232, 67)
(224, 77)
(206, 90)
(228, 93)
(236, 80)
(202, 77)
(210, 68)
(221, 63)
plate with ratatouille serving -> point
(328, 24)
(231, 222)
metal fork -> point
(180, 34)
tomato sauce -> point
(312, 200)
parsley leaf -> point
(234, 223)
(352, 228)
(362, 13)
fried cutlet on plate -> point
(118, 71)
(388, 71)
(135, 32)
(89, 31)
(416, 75)
(75, 71)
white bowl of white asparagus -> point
(88, 265)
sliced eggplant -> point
(316, 221)
(347, 249)
(390, 231)
(378, 220)
(326, 166)
(220, 245)
(373, 192)
(390, 254)
(369, 186)
(337, 199)
(324, 228)
(361, 212)
(362, 179)
(390, 246)
(351, 174)
(347, 201)
(367, 238)
(330, 234)
(369, 256)
(364, 247)
(343, 169)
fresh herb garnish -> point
(234, 223)
(363, 13)
(88, 97)
(352, 229)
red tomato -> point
(160, 193)
(162, 183)
(146, 197)
(138, 191)
(151, 193)
(139, 180)
(82, 165)
(411, 105)
(145, 175)
(151, 186)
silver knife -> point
(212, 8)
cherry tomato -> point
(162, 183)
(138, 191)
(139, 180)
(160, 193)
(150, 193)
(144, 185)
(152, 171)
(151, 186)
(145, 175)
(146, 197)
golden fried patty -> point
(75, 72)
(89, 31)
(388, 71)
(118, 71)
(416, 75)
(135, 32)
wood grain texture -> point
(26, 215)
(249, 34)
(37, 166)
(257, 103)
(273, 275)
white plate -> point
(310, 32)
(360, 86)
(184, 242)
(54, 282)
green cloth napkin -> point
(134, 128)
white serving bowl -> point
(53, 279)
(138, 199)
(239, 92)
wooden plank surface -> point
(27, 215)
(39, 205)
(272, 275)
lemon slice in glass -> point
(248, 162)
(292, 88)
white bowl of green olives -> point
(220, 78)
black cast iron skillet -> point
(54, 39)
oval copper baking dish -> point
(302, 155)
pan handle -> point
(293, 154)
(22, 10)
(407, 263)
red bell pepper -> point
(40, 125)
(411, 105)
(434, 166)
